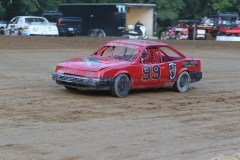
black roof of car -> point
(51, 13)
(71, 18)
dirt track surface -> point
(42, 120)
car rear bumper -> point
(82, 83)
(66, 31)
(195, 76)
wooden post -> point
(194, 31)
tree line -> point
(167, 10)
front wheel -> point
(163, 36)
(183, 82)
(121, 85)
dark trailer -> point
(111, 19)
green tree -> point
(17, 7)
(168, 9)
(2, 10)
(226, 5)
(194, 9)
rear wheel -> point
(101, 34)
(183, 82)
(20, 31)
(121, 85)
(178, 36)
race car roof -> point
(143, 43)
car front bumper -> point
(82, 83)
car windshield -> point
(127, 53)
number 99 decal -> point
(151, 73)
(146, 70)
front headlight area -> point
(82, 73)
(59, 69)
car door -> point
(151, 71)
(172, 61)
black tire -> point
(20, 32)
(178, 36)
(183, 82)
(92, 34)
(121, 86)
(101, 34)
(1, 30)
(70, 88)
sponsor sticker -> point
(189, 64)
(172, 70)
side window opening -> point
(108, 51)
(12, 21)
(169, 54)
(165, 57)
(16, 20)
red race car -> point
(123, 65)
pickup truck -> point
(69, 26)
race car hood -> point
(92, 63)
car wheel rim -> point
(92, 35)
(100, 35)
(122, 84)
(183, 84)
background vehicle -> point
(30, 25)
(182, 29)
(122, 65)
(52, 17)
(189, 29)
(110, 19)
(3, 24)
(69, 26)
(229, 24)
